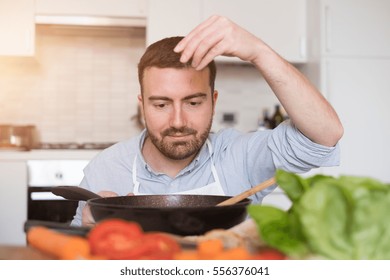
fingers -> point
(107, 194)
(203, 44)
(184, 43)
(206, 53)
(218, 36)
(87, 219)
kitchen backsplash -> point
(82, 86)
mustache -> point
(174, 131)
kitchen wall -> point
(82, 86)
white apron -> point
(210, 189)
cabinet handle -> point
(328, 29)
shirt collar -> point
(141, 141)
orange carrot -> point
(238, 253)
(207, 249)
(59, 245)
(213, 249)
(186, 255)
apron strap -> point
(213, 169)
(135, 182)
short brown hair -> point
(160, 54)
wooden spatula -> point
(248, 193)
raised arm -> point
(310, 112)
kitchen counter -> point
(244, 234)
(21, 253)
(47, 154)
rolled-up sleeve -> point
(293, 151)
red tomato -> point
(123, 240)
(114, 238)
(150, 246)
(159, 247)
(269, 254)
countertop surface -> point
(244, 234)
(56, 154)
(22, 253)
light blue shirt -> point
(242, 160)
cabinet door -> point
(171, 18)
(117, 8)
(17, 28)
(280, 23)
(13, 202)
(359, 91)
(356, 27)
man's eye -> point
(194, 103)
(160, 105)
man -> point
(176, 153)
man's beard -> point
(178, 150)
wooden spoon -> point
(248, 193)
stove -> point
(74, 146)
(43, 176)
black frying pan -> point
(179, 214)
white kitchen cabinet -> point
(17, 28)
(171, 18)
(13, 202)
(280, 23)
(359, 90)
(356, 27)
(355, 67)
(106, 8)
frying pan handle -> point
(74, 193)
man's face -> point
(178, 109)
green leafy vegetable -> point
(277, 227)
(336, 218)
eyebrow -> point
(195, 95)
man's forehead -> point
(187, 79)
(155, 69)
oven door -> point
(42, 205)
(43, 175)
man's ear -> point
(215, 98)
(140, 104)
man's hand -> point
(217, 36)
(305, 105)
(87, 219)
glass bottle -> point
(277, 118)
(264, 121)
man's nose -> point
(178, 117)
